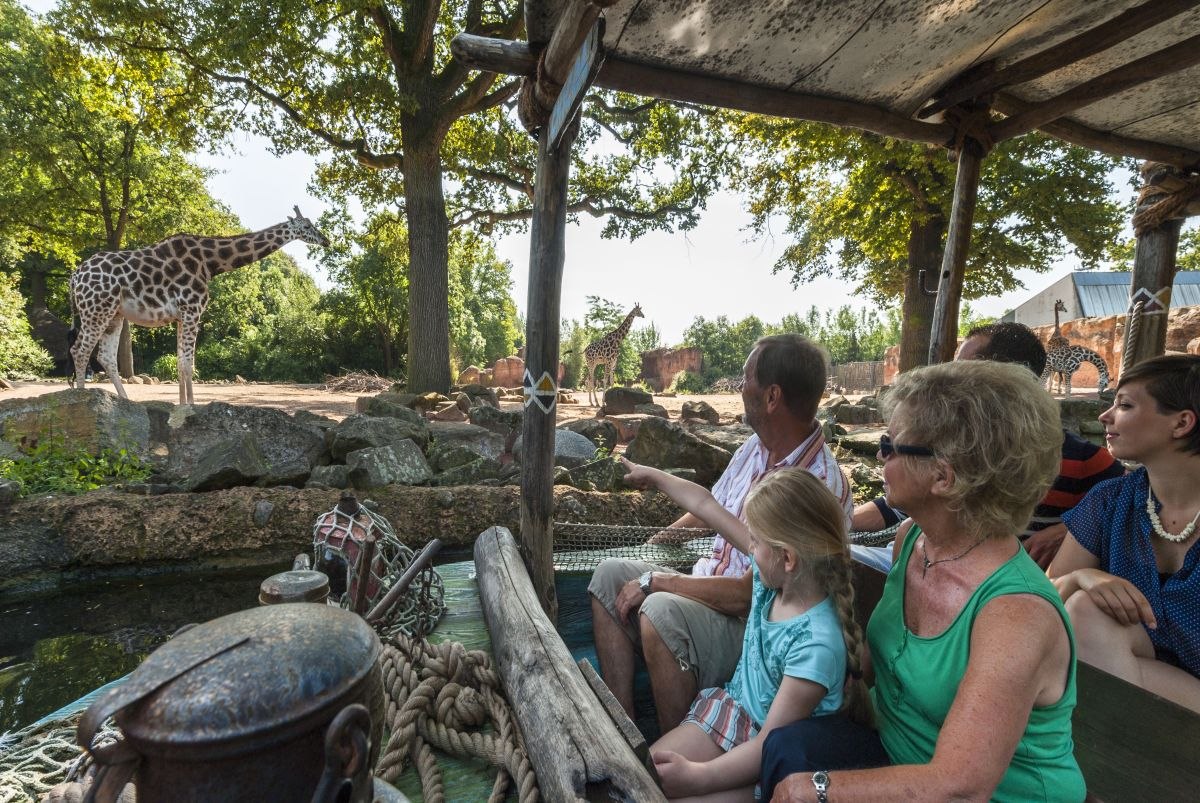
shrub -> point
(53, 467)
(20, 354)
(687, 382)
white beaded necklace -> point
(1183, 535)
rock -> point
(856, 414)
(699, 410)
(469, 375)
(236, 459)
(470, 473)
(562, 475)
(310, 419)
(627, 425)
(238, 379)
(480, 394)
(290, 447)
(651, 409)
(463, 402)
(1193, 346)
(159, 413)
(505, 423)
(481, 442)
(335, 476)
(448, 411)
(400, 463)
(865, 480)
(383, 407)
(133, 380)
(92, 419)
(601, 432)
(729, 437)
(862, 441)
(428, 401)
(598, 475)
(445, 456)
(365, 432)
(622, 401)
(566, 397)
(1080, 415)
(508, 372)
(10, 491)
(661, 366)
(570, 449)
(262, 512)
(664, 444)
(833, 402)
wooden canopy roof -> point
(1121, 76)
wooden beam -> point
(503, 56)
(1153, 276)
(1118, 29)
(576, 750)
(944, 333)
(1178, 56)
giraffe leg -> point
(189, 329)
(107, 354)
(1067, 382)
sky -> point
(715, 269)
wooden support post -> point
(576, 750)
(547, 253)
(943, 338)
(1153, 271)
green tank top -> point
(916, 680)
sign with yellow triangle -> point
(543, 392)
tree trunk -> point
(37, 290)
(428, 282)
(943, 337)
(125, 352)
(924, 254)
(385, 343)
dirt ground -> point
(314, 398)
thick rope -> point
(36, 760)
(1165, 199)
(435, 693)
(1132, 326)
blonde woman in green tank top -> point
(972, 653)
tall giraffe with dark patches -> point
(161, 283)
(605, 352)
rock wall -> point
(1105, 336)
(660, 366)
(507, 372)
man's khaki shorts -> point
(705, 642)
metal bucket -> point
(278, 703)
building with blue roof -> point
(1096, 294)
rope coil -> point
(1164, 195)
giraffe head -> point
(301, 228)
(1059, 306)
(637, 311)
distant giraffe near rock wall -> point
(161, 283)
(605, 352)
(1064, 362)
(1057, 341)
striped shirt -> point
(748, 466)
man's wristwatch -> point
(820, 781)
(644, 582)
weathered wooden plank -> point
(575, 86)
(633, 736)
(576, 750)
(943, 337)
(1131, 744)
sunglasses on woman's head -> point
(887, 448)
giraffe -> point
(161, 283)
(605, 351)
(1057, 341)
(1066, 361)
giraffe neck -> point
(230, 253)
(620, 332)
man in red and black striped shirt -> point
(1084, 464)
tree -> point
(19, 354)
(1187, 256)
(873, 211)
(93, 153)
(483, 316)
(372, 86)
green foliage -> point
(166, 368)
(51, 466)
(968, 320)
(20, 354)
(725, 345)
(688, 382)
(1187, 256)
(483, 316)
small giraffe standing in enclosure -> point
(1057, 341)
(605, 351)
(161, 283)
(1066, 361)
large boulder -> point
(481, 441)
(389, 405)
(862, 441)
(236, 459)
(570, 449)
(1081, 417)
(401, 463)
(479, 394)
(857, 414)
(665, 444)
(93, 419)
(505, 423)
(364, 432)
(598, 475)
(602, 432)
(470, 473)
(652, 409)
(333, 476)
(159, 412)
(661, 366)
(699, 410)
(508, 372)
(290, 447)
(621, 401)
(729, 437)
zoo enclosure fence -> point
(857, 376)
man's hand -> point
(1114, 595)
(629, 600)
(1043, 545)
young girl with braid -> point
(802, 649)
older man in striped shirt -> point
(689, 627)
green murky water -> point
(54, 650)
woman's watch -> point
(820, 781)
(644, 582)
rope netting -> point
(42, 756)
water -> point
(54, 650)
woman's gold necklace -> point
(927, 562)
(1156, 523)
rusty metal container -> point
(277, 703)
